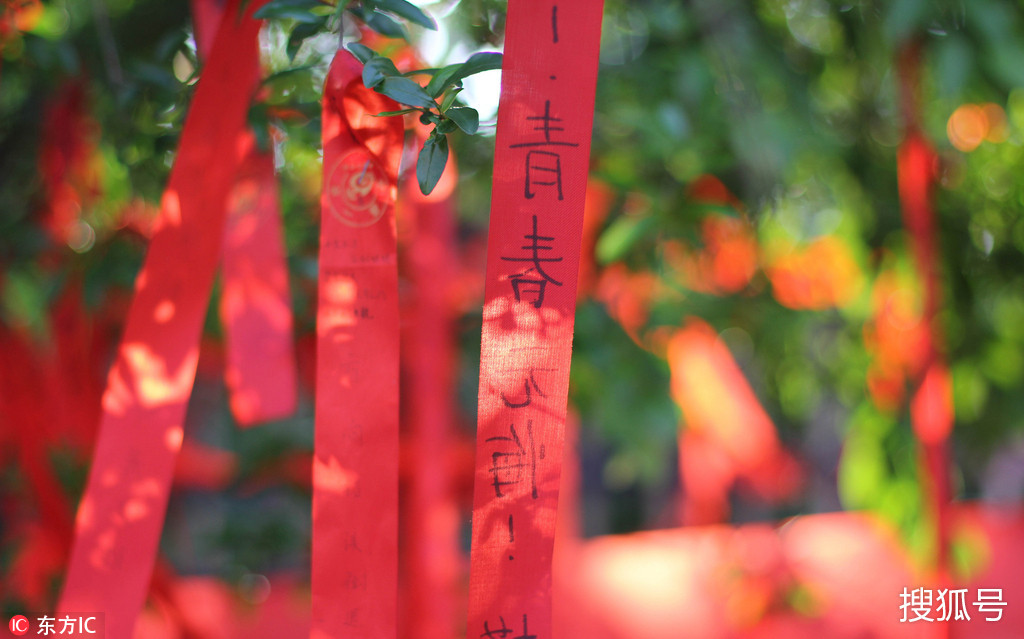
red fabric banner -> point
(430, 529)
(355, 465)
(728, 436)
(931, 408)
(121, 513)
(255, 305)
(540, 177)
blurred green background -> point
(790, 107)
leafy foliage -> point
(792, 106)
(382, 75)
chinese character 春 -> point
(522, 282)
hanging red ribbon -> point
(355, 466)
(255, 306)
(430, 529)
(542, 153)
(931, 408)
(121, 513)
(728, 435)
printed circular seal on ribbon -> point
(360, 191)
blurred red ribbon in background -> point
(355, 465)
(255, 304)
(122, 510)
(931, 408)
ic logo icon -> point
(18, 625)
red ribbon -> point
(255, 305)
(728, 435)
(540, 178)
(931, 408)
(121, 513)
(355, 465)
(431, 566)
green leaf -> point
(446, 126)
(409, 11)
(480, 62)
(375, 70)
(466, 118)
(453, 74)
(405, 91)
(362, 52)
(259, 123)
(302, 31)
(431, 162)
(299, 10)
(431, 71)
(390, 113)
(622, 234)
(449, 98)
(383, 25)
(284, 73)
(443, 79)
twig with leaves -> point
(436, 102)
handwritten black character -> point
(354, 580)
(511, 535)
(350, 542)
(547, 127)
(508, 466)
(526, 631)
(351, 618)
(504, 631)
(497, 633)
(523, 283)
(544, 164)
(529, 387)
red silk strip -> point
(430, 529)
(206, 15)
(728, 435)
(931, 408)
(255, 306)
(542, 153)
(355, 464)
(121, 513)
